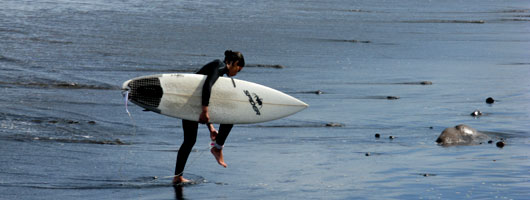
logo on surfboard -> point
(254, 101)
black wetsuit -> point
(213, 71)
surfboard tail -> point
(145, 92)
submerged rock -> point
(333, 124)
(490, 100)
(427, 174)
(461, 135)
(426, 83)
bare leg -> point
(224, 130)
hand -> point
(213, 131)
(205, 116)
(213, 134)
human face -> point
(233, 68)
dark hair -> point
(233, 56)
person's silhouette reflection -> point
(178, 192)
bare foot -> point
(180, 179)
(218, 154)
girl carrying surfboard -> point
(232, 64)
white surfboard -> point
(232, 101)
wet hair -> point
(233, 56)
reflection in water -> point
(178, 192)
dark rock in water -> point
(377, 135)
(72, 122)
(318, 92)
(357, 41)
(333, 124)
(490, 100)
(426, 83)
(67, 85)
(367, 154)
(391, 137)
(431, 127)
(461, 135)
(476, 113)
(427, 175)
(417, 83)
(490, 142)
(92, 122)
(392, 97)
(119, 142)
(501, 144)
(53, 121)
(115, 142)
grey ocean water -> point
(65, 134)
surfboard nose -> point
(145, 92)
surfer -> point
(232, 64)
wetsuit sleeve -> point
(211, 70)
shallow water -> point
(64, 131)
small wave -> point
(346, 40)
(318, 92)
(9, 60)
(516, 11)
(36, 39)
(153, 67)
(7, 30)
(102, 184)
(195, 55)
(80, 140)
(416, 83)
(397, 83)
(163, 70)
(266, 66)
(356, 11)
(66, 85)
(446, 21)
(301, 125)
(517, 63)
(381, 97)
(74, 186)
(515, 20)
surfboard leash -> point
(126, 99)
(125, 94)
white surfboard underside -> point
(232, 101)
